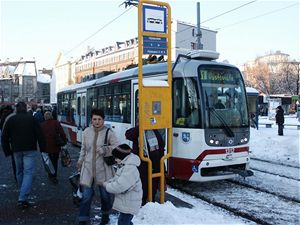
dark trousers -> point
(54, 159)
(280, 129)
(125, 219)
(143, 169)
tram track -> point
(288, 198)
(254, 204)
(276, 169)
(275, 174)
(275, 163)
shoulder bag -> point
(109, 160)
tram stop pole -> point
(155, 96)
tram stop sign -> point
(154, 20)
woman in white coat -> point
(126, 184)
(93, 170)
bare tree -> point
(258, 76)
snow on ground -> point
(264, 144)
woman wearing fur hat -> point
(93, 170)
(126, 184)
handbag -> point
(47, 163)
(65, 157)
(109, 160)
(60, 141)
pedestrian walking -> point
(155, 150)
(280, 120)
(92, 167)
(51, 129)
(20, 136)
(126, 184)
(5, 112)
(38, 115)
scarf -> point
(152, 140)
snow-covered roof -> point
(26, 68)
(251, 90)
(43, 78)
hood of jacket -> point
(131, 159)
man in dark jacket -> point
(20, 135)
(280, 119)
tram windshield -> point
(224, 97)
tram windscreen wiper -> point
(227, 129)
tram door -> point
(81, 111)
(136, 104)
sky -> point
(41, 29)
(264, 144)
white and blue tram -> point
(211, 128)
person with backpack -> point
(94, 171)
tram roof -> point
(148, 70)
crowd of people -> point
(122, 184)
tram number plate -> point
(229, 154)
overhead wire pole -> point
(199, 33)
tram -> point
(210, 123)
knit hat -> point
(121, 151)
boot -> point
(104, 219)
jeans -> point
(125, 219)
(25, 166)
(87, 197)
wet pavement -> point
(52, 203)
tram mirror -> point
(156, 107)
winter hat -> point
(121, 151)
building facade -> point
(124, 54)
(19, 82)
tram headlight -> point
(245, 139)
(242, 140)
(211, 141)
(217, 142)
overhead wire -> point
(255, 17)
(214, 17)
(100, 29)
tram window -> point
(186, 112)
(116, 109)
(79, 105)
(108, 108)
(101, 91)
(83, 106)
(117, 89)
(126, 88)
